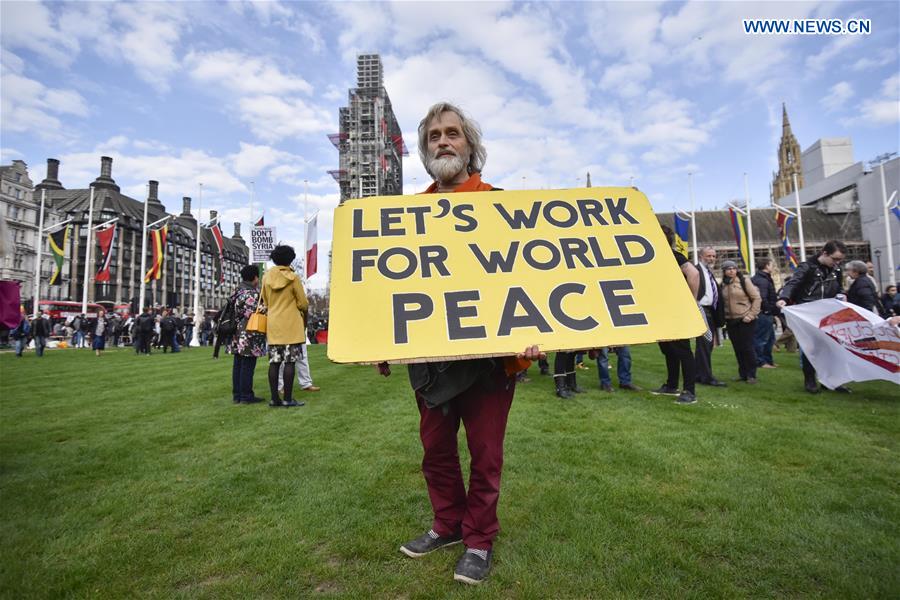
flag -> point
(739, 227)
(58, 241)
(845, 342)
(107, 238)
(784, 221)
(682, 227)
(158, 243)
(896, 211)
(261, 222)
(312, 247)
(220, 245)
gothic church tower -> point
(788, 161)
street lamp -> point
(878, 262)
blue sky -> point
(229, 93)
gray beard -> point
(446, 168)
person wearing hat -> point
(742, 304)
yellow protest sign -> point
(443, 276)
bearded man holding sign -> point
(455, 282)
(478, 392)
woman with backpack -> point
(742, 305)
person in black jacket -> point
(168, 327)
(764, 334)
(816, 279)
(143, 328)
(40, 329)
(862, 291)
(887, 301)
(709, 297)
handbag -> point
(257, 322)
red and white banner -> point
(220, 245)
(312, 248)
(107, 238)
(845, 342)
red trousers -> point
(483, 410)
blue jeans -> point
(40, 342)
(623, 366)
(188, 335)
(204, 338)
(764, 339)
(242, 377)
(20, 346)
(77, 339)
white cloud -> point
(626, 79)
(144, 35)
(28, 106)
(837, 96)
(31, 26)
(817, 63)
(880, 59)
(883, 110)
(272, 118)
(241, 74)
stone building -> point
(175, 288)
(789, 161)
(20, 208)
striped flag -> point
(784, 221)
(220, 245)
(312, 247)
(58, 241)
(682, 234)
(739, 227)
(107, 238)
(158, 244)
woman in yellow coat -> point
(286, 307)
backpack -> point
(167, 325)
(145, 323)
(226, 320)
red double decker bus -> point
(63, 309)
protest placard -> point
(262, 242)
(445, 276)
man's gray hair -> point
(858, 266)
(470, 129)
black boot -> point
(562, 390)
(810, 384)
(572, 384)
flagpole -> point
(693, 219)
(305, 223)
(751, 268)
(195, 340)
(37, 265)
(892, 277)
(252, 191)
(88, 268)
(142, 274)
(799, 219)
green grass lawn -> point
(136, 476)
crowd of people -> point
(161, 328)
(742, 309)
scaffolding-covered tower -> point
(370, 142)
